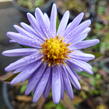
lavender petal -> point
(26, 73)
(76, 54)
(26, 33)
(79, 29)
(56, 84)
(73, 78)
(28, 28)
(35, 78)
(83, 65)
(46, 20)
(74, 23)
(63, 24)
(41, 86)
(53, 20)
(48, 87)
(24, 61)
(86, 44)
(23, 40)
(62, 86)
(42, 24)
(19, 52)
(67, 83)
(34, 23)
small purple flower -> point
(54, 55)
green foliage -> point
(98, 26)
(31, 4)
(22, 89)
(57, 23)
(51, 105)
(105, 43)
(85, 74)
(77, 5)
(59, 106)
(101, 10)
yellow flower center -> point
(55, 51)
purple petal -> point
(73, 78)
(79, 29)
(74, 69)
(83, 65)
(23, 40)
(35, 78)
(63, 24)
(41, 21)
(28, 28)
(53, 20)
(86, 44)
(67, 83)
(81, 56)
(12, 41)
(26, 33)
(80, 36)
(46, 20)
(77, 39)
(24, 61)
(19, 52)
(56, 84)
(86, 31)
(19, 69)
(74, 23)
(35, 25)
(26, 73)
(41, 86)
(48, 87)
(62, 86)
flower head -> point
(54, 55)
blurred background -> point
(95, 88)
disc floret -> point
(55, 51)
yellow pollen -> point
(55, 51)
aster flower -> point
(54, 55)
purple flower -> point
(54, 55)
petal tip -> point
(29, 15)
(82, 14)
(68, 12)
(56, 102)
(21, 23)
(26, 92)
(91, 72)
(54, 5)
(34, 100)
(12, 82)
(8, 33)
(3, 53)
(98, 41)
(14, 25)
(37, 9)
(89, 21)
(79, 87)
(6, 69)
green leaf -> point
(59, 106)
(23, 88)
(98, 26)
(101, 10)
(57, 22)
(104, 47)
(50, 105)
(84, 74)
